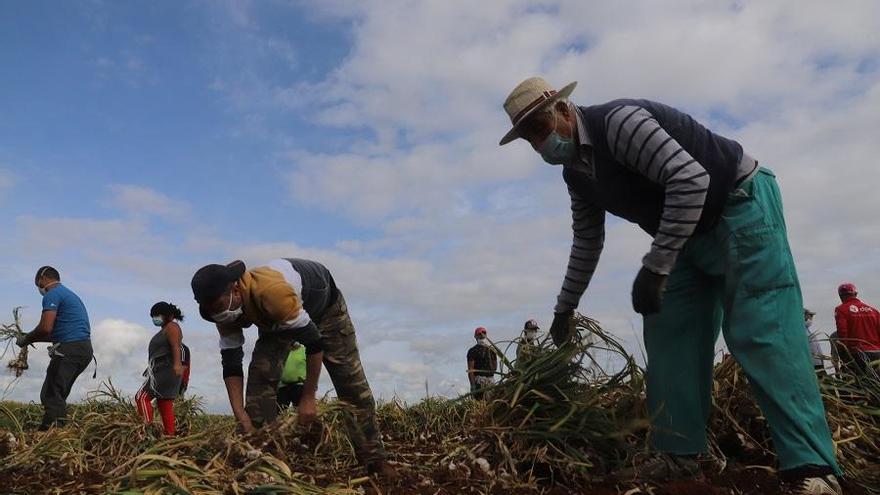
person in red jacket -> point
(858, 327)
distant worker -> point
(168, 371)
(858, 329)
(527, 343)
(292, 377)
(815, 348)
(65, 323)
(482, 362)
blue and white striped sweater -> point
(652, 165)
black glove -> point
(647, 293)
(22, 340)
(560, 329)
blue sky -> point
(139, 141)
(123, 94)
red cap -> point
(479, 331)
(847, 288)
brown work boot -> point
(659, 466)
(384, 470)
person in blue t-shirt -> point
(64, 323)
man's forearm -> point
(235, 391)
(38, 334)
(313, 372)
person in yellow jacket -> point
(289, 300)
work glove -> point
(647, 292)
(560, 329)
(21, 340)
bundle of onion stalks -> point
(107, 448)
(567, 414)
(852, 406)
(8, 334)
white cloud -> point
(141, 201)
(120, 344)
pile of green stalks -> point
(8, 333)
(107, 448)
(852, 406)
(560, 414)
(555, 418)
(852, 403)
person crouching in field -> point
(168, 373)
(289, 300)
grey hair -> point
(551, 109)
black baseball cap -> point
(211, 282)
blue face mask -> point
(557, 150)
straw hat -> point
(527, 98)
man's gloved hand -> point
(22, 340)
(560, 329)
(647, 292)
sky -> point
(142, 140)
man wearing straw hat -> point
(719, 260)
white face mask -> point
(42, 290)
(158, 321)
(531, 335)
(809, 323)
(228, 315)
(483, 341)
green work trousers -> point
(738, 277)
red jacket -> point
(858, 324)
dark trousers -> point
(68, 360)
(289, 394)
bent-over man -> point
(719, 259)
(289, 300)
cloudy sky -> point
(139, 141)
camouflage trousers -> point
(342, 362)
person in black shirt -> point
(482, 363)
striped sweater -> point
(650, 164)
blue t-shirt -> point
(71, 318)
